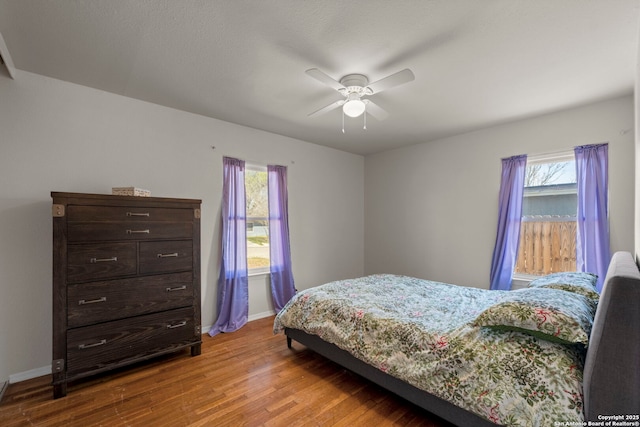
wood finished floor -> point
(245, 378)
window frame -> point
(255, 167)
(556, 157)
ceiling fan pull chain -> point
(343, 122)
(365, 119)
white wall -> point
(636, 99)
(637, 174)
(431, 209)
(56, 136)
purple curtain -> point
(282, 285)
(233, 289)
(505, 252)
(592, 248)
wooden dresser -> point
(126, 281)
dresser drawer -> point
(100, 261)
(127, 214)
(122, 230)
(98, 346)
(95, 302)
(166, 256)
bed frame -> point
(612, 368)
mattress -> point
(427, 334)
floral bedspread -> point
(421, 332)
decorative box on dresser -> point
(126, 281)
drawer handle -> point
(178, 288)
(177, 325)
(138, 231)
(112, 259)
(137, 213)
(92, 301)
(95, 344)
(173, 255)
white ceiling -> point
(477, 63)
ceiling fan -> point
(354, 88)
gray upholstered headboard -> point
(612, 367)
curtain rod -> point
(550, 155)
(553, 153)
(255, 162)
(572, 149)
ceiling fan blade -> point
(324, 78)
(375, 110)
(401, 77)
(328, 108)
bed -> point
(554, 353)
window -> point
(257, 203)
(548, 228)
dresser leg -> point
(59, 390)
(196, 350)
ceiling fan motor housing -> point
(355, 84)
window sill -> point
(521, 281)
(258, 273)
(525, 277)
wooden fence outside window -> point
(547, 245)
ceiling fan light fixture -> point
(356, 86)
(353, 107)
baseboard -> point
(206, 329)
(261, 315)
(27, 375)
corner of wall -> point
(5, 58)
(3, 388)
(636, 233)
(636, 105)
